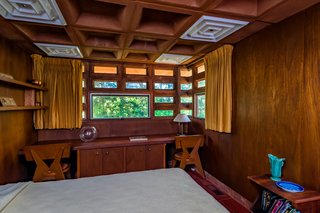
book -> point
(138, 138)
(276, 205)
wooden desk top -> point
(114, 142)
(296, 198)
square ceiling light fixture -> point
(212, 29)
(167, 58)
(57, 50)
(38, 11)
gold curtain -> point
(219, 89)
(63, 78)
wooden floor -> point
(232, 205)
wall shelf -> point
(21, 84)
(17, 108)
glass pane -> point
(83, 99)
(200, 106)
(105, 69)
(160, 113)
(186, 100)
(120, 106)
(163, 99)
(201, 83)
(186, 86)
(163, 86)
(83, 83)
(136, 85)
(105, 84)
(163, 72)
(136, 71)
(184, 72)
(84, 114)
(186, 111)
(201, 68)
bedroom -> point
(275, 84)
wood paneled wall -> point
(276, 107)
(115, 128)
(16, 128)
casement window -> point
(116, 106)
(105, 84)
(163, 113)
(163, 100)
(187, 86)
(200, 104)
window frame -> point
(120, 94)
(195, 105)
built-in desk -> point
(115, 155)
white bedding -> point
(154, 191)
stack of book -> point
(271, 203)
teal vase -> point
(275, 167)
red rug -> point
(230, 204)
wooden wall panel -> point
(276, 88)
(16, 128)
(115, 128)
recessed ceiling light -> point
(58, 50)
(167, 58)
(212, 29)
(38, 11)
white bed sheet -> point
(154, 191)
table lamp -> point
(181, 118)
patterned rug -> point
(230, 204)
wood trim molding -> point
(227, 190)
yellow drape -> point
(219, 89)
(63, 78)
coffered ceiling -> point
(144, 31)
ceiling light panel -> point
(172, 58)
(212, 29)
(57, 50)
(37, 11)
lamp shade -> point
(182, 118)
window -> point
(200, 68)
(201, 83)
(119, 106)
(105, 69)
(163, 113)
(184, 72)
(84, 114)
(186, 100)
(83, 99)
(83, 83)
(163, 99)
(186, 86)
(136, 85)
(186, 111)
(136, 71)
(105, 84)
(163, 72)
(200, 105)
(168, 86)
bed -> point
(156, 191)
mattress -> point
(153, 191)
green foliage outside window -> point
(186, 86)
(201, 83)
(105, 84)
(201, 104)
(186, 111)
(186, 100)
(120, 106)
(160, 113)
(163, 99)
